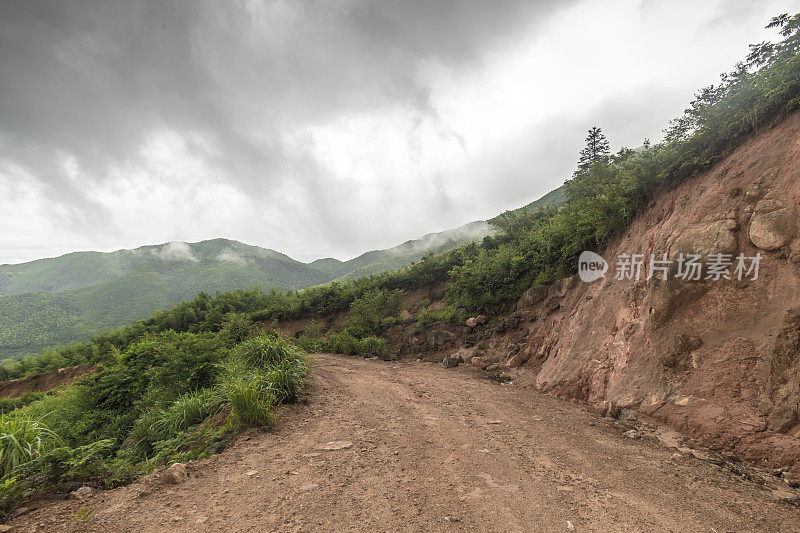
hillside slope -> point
(717, 359)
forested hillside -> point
(68, 298)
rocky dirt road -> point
(415, 447)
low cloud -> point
(176, 251)
(229, 256)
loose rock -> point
(632, 434)
(175, 474)
(82, 493)
(450, 362)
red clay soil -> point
(415, 447)
(43, 382)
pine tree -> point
(596, 149)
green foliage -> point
(261, 372)
(11, 492)
(346, 343)
(368, 312)
(21, 440)
(596, 149)
(247, 392)
(153, 403)
(9, 404)
(447, 314)
(373, 345)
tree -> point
(596, 149)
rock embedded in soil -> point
(773, 223)
(175, 474)
(450, 362)
(82, 493)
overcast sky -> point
(327, 128)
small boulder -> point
(517, 361)
(82, 493)
(705, 238)
(450, 362)
(437, 337)
(480, 319)
(471, 322)
(774, 222)
(478, 361)
(175, 474)
(532, 296)
(606, 408)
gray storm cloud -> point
(132, 122)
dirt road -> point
(417, 447)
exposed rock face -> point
(719, 360)
(533, 296)
(706, 238)
(774, 222)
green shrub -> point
(373, 346)
(11, 492)
(343, 342)
(262, 372)
(447, 314)
(157, 425)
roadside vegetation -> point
(178, 384)
(167, 397)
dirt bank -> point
(43, 382)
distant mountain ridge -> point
(70, 297)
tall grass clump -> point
(158, 425)
(262, 372)
(249, 397)
(21, 441)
